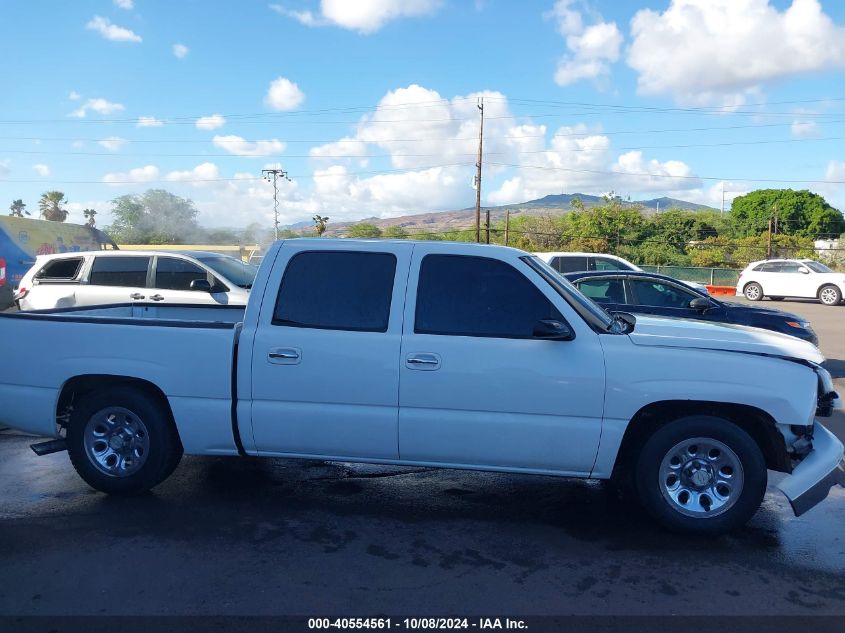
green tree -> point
(798, 213)
(363, 229)
(395, 232)
(320, 224)
(51, 207)
(155, 217)
(18, 208)
(89, 217)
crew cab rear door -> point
(325, 358)
(476, 388)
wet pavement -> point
(259, 537)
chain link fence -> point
(709, 276)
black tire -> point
(742, 506)
(753, 291)
(776, 298)
(162, 447)
(830, 295)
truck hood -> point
(689, 333)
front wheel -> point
(830, 295)
(122, 441)
(753, 291)
(701, 474)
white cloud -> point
(704, 51)
(99, 105)
(804, 129)
(112, 32)
(73, 95)
(364, 16)
(147, 173)
(4, 168)
(211, 122)
(835, 171)
(239, 146)
(200, 173)
(113, 143)
(592, 49)
(345, 148)
(283, 95)
(149, 121)
(180, 50)
(41, 169)
(128, 5)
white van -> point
(114, 277)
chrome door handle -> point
(423, 362)
(284, 356)
(289, 356)
(157, 298)
(136, 295)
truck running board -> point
(50, 446)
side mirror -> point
(200, 285)
(552, 330)
(804, 271)
(700, 303)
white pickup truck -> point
(433, 354)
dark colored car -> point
(650, 293)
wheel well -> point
(823, 286)
(79, 386)
(757, 423)
(748, 283)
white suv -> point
(109, 277)
(779, 278)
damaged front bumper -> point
(812, 479)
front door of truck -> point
(477, 388)
(325, 359)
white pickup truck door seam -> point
(318, 389)
(499, 403)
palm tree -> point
(89, 215)
(18, 208)
(50, 204)
(320, 223)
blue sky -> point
(370, 105)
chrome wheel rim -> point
(116, 441)
(828, 296)
(752, 292)
(701, 477)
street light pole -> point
(275, 174)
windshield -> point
(816, 266)
(589, 310)
(238, 272)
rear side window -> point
(177, 274)
(60, 270)
(575, 264)
(477, 296)
(769, 267)
(604, 263)
(337, 291)
(120, 271)
(604, 290)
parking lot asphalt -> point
(244, 536)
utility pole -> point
(769, 246)
(275, 174)
(507, 226)
(723, 196)
(478, 173)
(487, 225)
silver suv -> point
(113, 277)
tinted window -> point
(60, 269)
(337, 291)
(177, 274)
(816, 266)
(120, 271)
(477, 296)
(575, 264)
(604, 263)
(770, 267)
(604, 290)
(238, 272)
(657, 294)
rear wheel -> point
(830, 295)
(701, 474)
(753, 291)
(122, 441)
